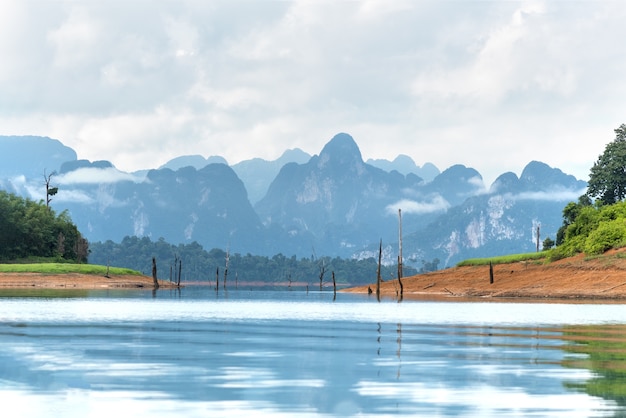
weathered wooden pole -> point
(400, 244)
(490, 272)
(538, 234)
(180, 271)
(334, 285)
(217, 279)
(380, 258)
(154, 273)
(226, 269)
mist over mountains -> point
(332, 203)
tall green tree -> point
(607, 180)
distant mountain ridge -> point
(332, 203)
(404, 164)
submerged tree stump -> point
(154, 273)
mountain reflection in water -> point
(295, 354)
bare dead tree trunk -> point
(322, 271)
(50, 191)
(154, 273)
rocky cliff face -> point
(503, 221)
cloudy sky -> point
(488, 84)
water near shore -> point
(193, 353)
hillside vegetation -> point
(32, 229)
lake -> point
(195, 353)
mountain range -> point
(332, 203)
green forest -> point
(194, 264)
(31, 230)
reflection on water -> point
(601, 349)
(291, 354)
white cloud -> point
(73, 196)
(490, 84)
(436, 204)
(557, 195)
(93, 175)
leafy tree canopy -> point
(593, 230)
(30, 229)
(607, 180)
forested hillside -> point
(199, 265)
(31, 229)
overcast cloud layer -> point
(489, 84)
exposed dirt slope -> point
(76, 281)
(580, 277)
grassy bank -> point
(65, 268)
(505, 259)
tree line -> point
(30, 229)
(196, 264)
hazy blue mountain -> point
(76, 164)
(404, 164)
(30, 156)
(257, 174)
(328, 204)
(503, 221)
(337, 201)
(209, 205)
(196, 161)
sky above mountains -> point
(488, 84)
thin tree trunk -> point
(180, 271)
(154, 273)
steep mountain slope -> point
(501, 222)
(257, 174)
(336, 201)
(30, 156)
(208, 205)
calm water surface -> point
(251, 353)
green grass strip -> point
(504, 259)
(65, 268)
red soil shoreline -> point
(77, 281)
(579, 277)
